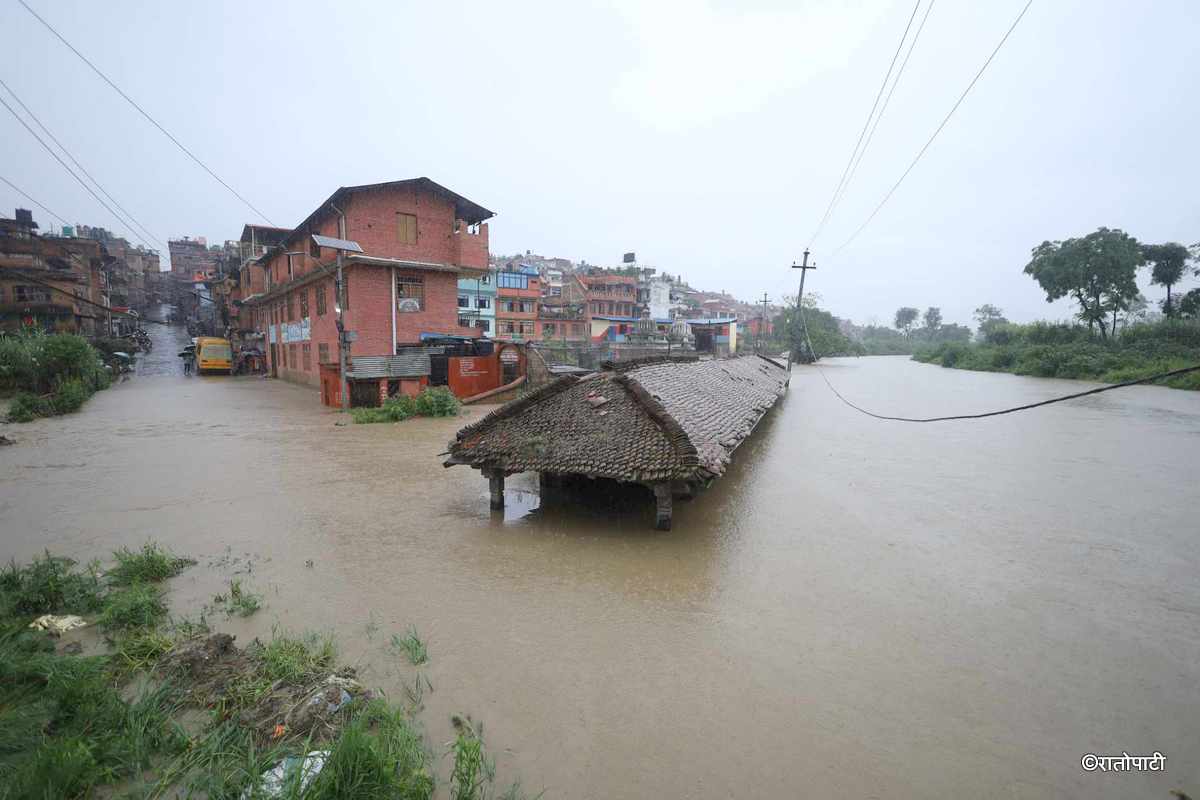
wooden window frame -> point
(407, 231)
(320, 299)
(304, 303)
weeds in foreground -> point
(412, 646)
(238, 601)
(473, 769)
(151, 564)
(49, 585)
(415, 691)
(138, 606)
(296, 659)
(142, 648)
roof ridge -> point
(621, 367)
(685, 449)
(513, 407)
(770, 361)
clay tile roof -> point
(643, 421)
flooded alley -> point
(856, 609)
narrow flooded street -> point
(857, 609)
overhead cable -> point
(144, 113)
(129, 217)
(878, 95)
(938, 130)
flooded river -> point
(858, 609)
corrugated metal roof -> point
(412, 364)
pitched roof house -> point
(671, 424)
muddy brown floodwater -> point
(858, 609)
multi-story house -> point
(417, 239)
(477, 302)
(518, 294)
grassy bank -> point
(48, 374)
(1070, 351)
(167, 708)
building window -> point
(483, 302)
(306, 351)
(323, 353)
(512, 280)
(483, 324)
(486, 279)
(304, 303)
(464, 301)
(320, 299)
(291, 306)
(410, 293)
(464, 322)
(406, 226)
(548, 329)
(527, 329)
(30, 294)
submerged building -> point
(670, 424)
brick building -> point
(57, 285)
(611, 294)
(418, 239)
(518, 293)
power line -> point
(58, 158)
(144, 113)
(82, 169)
(887, 100)
(845, 172)
(17, 189)
(1012, 410)
(953, 108)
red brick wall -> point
(372, 221)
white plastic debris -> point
(279, 777)
(57, 625)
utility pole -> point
(762, 327)
(343, 338)
(804, 267)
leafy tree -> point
(905, 317)
(1189, 304)
(933, 319)
(1167, 263)
(824, 329)
(1098, 271)
(988, 317)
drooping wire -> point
(887, 100)
(28, 197)
(65, 166)
(845, 172)
(144, 113)
(938, 130)
(129, 218)
(1063, 398)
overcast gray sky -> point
(707, 137)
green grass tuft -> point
(48, 585)
(297, 658)
(151, 564)
(412, 646)
(138, 606)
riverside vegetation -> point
(49, 373)
(168, 708)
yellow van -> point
(213, 355)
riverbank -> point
(1067, 351)
(104, 692)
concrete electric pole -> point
(762, 326)
(804, 267)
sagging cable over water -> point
(1149, 379)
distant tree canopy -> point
(824, 329)
(988, 317)
(905, 317)
(1167, 264)
(1097, 271)
(932, 319)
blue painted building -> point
(477, 302)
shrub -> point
(71, 396)
(18, 367)
(139, 606)
(62, 357)
(48, 585)
(437, 402)
(27, 407)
